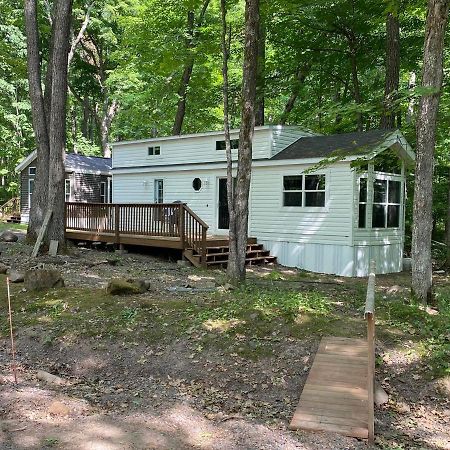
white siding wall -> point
(139, 188)
(283, 136)
(329, 225)
(185, 150)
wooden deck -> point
(172, 225)
(335, 395)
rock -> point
(443, 386)
(50, 378)
(8, 236)
(3, 268)
(381, 397)
(41, 279)
(58, 409)
(15, 276)
(403, 408)
(120, 286)
(184, 263)
(143, 285)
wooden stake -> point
(13, 351)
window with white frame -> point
(386, 203)
(154, 150)
(32, 171)
(362, 221)
(221, 145)
(103, 192)
(159, 191)
(67, 190)
(304, 190)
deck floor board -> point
(335, 397)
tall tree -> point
(40, 194)
(392, 77)
(432, 76)
(192, 30)
(261, 75)
(49, 115)
(238, 246)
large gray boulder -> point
(122, 286)
(15, 276)
(8, 236)
(43, 279)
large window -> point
(386, 203)
(304, 190)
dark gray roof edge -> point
(345, 144)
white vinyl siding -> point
(271, 220)
(184, 151)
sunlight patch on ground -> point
(222, 325)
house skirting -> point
(342, 260)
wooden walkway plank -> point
(335, 396)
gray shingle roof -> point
(334, 145)
(76, 162)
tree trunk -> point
(392, 79)
(109, 111)
(448, 222)
(40, 194)
(188, 68)
(182, 96)
(226, 42)
(261, 75)
(426, 138)
(356, 88)
(301, 75)
(86, 117)
(57, 129)
(236, 264)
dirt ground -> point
(167, 376)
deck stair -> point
(14, 218)
(218, 250)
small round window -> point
(197, 184)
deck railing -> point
(11, 207)
(173, 220)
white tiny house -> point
(329, 218)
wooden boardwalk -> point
(335, 397)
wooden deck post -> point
(204, 231)
(181, 230)
(117, 223)
(369, 315)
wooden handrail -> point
(154, 219)
(194, 232)
(369, 315)
(10, 207)
(192, 213)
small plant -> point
(129, 314)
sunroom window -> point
(362, 203)
(386, 203)
(304, 190)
